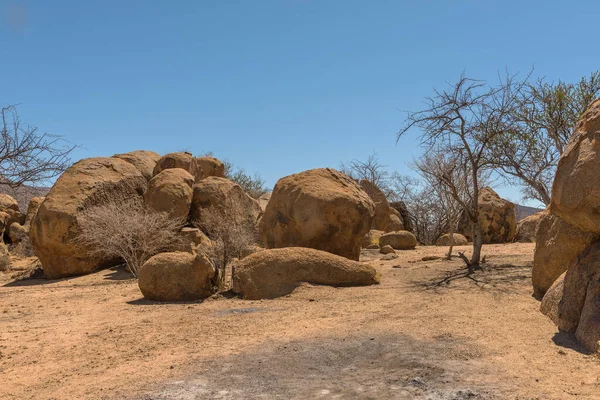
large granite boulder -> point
(273, 273)
(322, 209)
(497, 217)
(86, 183)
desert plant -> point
(463, 122)
(28, 157)
(231, 232)
(127, 231)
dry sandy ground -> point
(426, 332)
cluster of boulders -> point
(164, 184)
(566, 267)
(320, 209)
(14, 228)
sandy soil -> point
(426, 332)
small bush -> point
(231, 232)
(126, 230)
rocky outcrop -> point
(143, 160)
(273, 273)
(459, 240)
(176, 276)
(576, 187)
(575, 210)
(86, 183)
(400, 240)
(321, 209)
(497, 218)
(170, 191)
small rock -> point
(390, 256)
(430, 258)
(372, 247)
(387, 249)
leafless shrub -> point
(127, 231)
(28, 156)
(231, 232)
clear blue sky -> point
(277, 86)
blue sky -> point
(277, 86)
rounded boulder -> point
(321, 209)
(86, 183)
(170, 191)
(399, 240)
(176, 276)
(211, 166)
(183, 160)
(459, 240)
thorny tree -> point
(370, 169)
(28, 156)
(538, 129)
(450, 182)
(463, 121)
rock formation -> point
(322, 209)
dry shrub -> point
(127, 231)
(231, 232)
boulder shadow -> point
(142, 301)
(568, 341)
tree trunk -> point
(477, 245)
(452, 225)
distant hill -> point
(24, 194)
(524, 211)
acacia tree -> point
(370, 169)
(538, 129)
(253, 185)
(463, 121)
(28, 156)
(448, 180)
